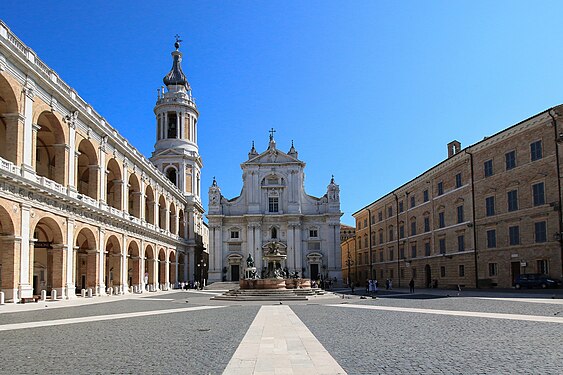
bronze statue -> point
(249, 261)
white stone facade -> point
(274, 207)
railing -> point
(9, 166)
(50, 184)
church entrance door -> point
(235, 272)
(314, 271)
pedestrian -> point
(411, 285)
(390, 284)
(387, 284)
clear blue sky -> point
(370, 91)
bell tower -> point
(176, 151)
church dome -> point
(176, 76)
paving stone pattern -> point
(380, 342)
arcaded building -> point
(485, 215)
(80, 207)
(274, 209)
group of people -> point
(189, 285)
(372, 285)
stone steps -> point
(270, 294)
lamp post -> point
(349, 263)
(201, 267)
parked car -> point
(536, 280)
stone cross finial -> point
(272, 131)
(178, 41)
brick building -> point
(486, 214)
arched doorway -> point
(113, 184)
(87, 170)
(9, 268)
(134, 198)
(48, 257)
(149, 277)
(10, 128)
(86, 262)
(149, 205)
(172, 270)
(428, 276)
(134, 267)
(171, 175)
(235, 268)
(50, 151)
(113, 265)
(162, 269)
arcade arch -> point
(9, 268)
(113, 184)
(86, 262)
(9, 126)
(113, 263)
(134, 199)
(48, 257)
(133, 265)
(162, 212)
(149, 205)
(50, 148)
(87, 170)
(172, 219)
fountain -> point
(275, 276)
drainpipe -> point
(552, 114)
(398, 240)
(473, 223)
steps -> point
(270, 294)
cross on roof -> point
(272, 131)
(178, 41)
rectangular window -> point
(402, 252)
(427, 249)
(539, 195)
(273, 205)
(313, 233)
(512, 197)
(234, 234)
(366, 258)
(442, 244)
(413, 273)
(461, 242)
(536, 151)
(458, 180)
(488, 166)
(365, 223)
(541, 231)
(413, 228)
(425, 195)
(441, 220)
(461, 270)
(389, 211)
(381, 236)
(510, 158)
(402, 273)
(413, 250)
(365, 241)
(440, 188)
(493, 269)
(427, 224)
(490, 205)
(402, 231)
(460, 218)
(391, 273)
(491, 238)
(390, 234)
(391, 255)
(401, 206)
(443, 271)
(380, 215)
(372, 219)
(381, 256)
(514, 235)
(542, 266)
(413, 201)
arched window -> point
(274, 233)
(172, 175)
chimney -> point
(453, 148)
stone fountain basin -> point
(275, 284)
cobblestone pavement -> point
(362, 341)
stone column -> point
(101, 285)
(291, 260)
(71, 121)
(58, 268)
(167, 271)
(259, 262)
(142, 263)
(70, 260)
(186, 267)
(102, 175)
(25, 288)
(298, 249)
(36, 129)
(124, 266)
(27, 166)
(125, 188)
(10, 260)
(176, 269)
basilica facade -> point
(80, 207)
(274, 211)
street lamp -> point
(349, 262)
(201, 267)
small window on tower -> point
(171, 175)
(172, 125)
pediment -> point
(169, 152)
(273, 156)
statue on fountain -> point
(249, 261)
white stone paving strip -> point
(529, 300)
(472, 314)
(89, 319)
(278, 342)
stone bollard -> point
(116, 290)
(1, 298)
(83, 293)
(54, 294)
(89, 292)
(110, 291)
(43, 295)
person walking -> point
(411, 285)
